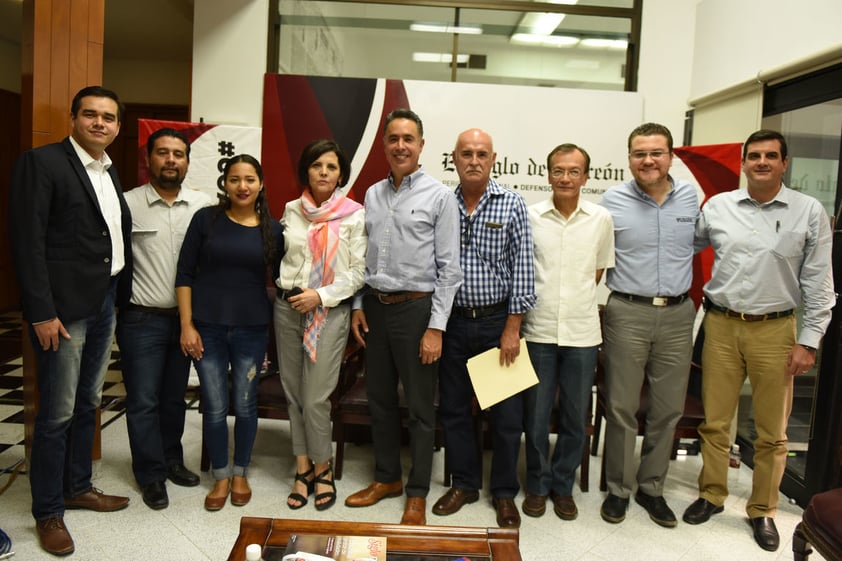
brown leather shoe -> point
(534, 505)
(564, 507)
(54, 537)
(507, 513)
(241, 497)
(96, 500)
(415, 512)
(373, 493)
(454, 499)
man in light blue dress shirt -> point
(412, 276)
(772, 254)
(648, 324)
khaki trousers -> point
(733, 350)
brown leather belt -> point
(746, 317)
(397, 297)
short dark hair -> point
(314, 151)
(566, 148)
(150, 142)
(404, 114)
(96, 91)
(651, 129)
(765, 134)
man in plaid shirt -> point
(498, 288)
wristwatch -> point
(808, 347)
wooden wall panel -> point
(62, 42)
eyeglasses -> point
(557, 173)
(643, 154)
(467, 232)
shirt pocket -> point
(491, 242)
(790, 245)
(681, 236)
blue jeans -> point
(155, 373)
(570, 372)
(464, 339)
(243, 348)
(70, 390)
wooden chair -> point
(352, 412)
(687, 426)
(272, 402)
(820, 526)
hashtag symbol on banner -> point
(226, 148)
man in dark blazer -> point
(70, 230)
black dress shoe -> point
(765, 533)
(700, 511)
(182, 476)
(658, 510)
(614, 509)
(155, 495)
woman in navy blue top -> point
(227, 253)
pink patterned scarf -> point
(323, 239)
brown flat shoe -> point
(96, 500)
(216, 502)
(534, 505)
(374, 493)
(414, 513)
(454, 499)
(54, 537)
(240, 498)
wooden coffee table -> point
(497, 544)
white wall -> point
(666, 55)
(736, 39)
(229, 61)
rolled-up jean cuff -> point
(222, 473)
(240, 471)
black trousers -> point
(392, 347)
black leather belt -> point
(477, 312)
(743, 316)
(652, 300)
(397, 297)
(153, 310)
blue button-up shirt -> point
(496, 255)
(413, 241)
(653, 243)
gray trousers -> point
(308, 384)
(654, 342)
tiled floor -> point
(186, 532)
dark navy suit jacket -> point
(60, 241)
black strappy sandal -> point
(331, 495)
(311, 485)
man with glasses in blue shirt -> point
(648, 323)
(499, 286)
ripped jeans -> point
(243, 348)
